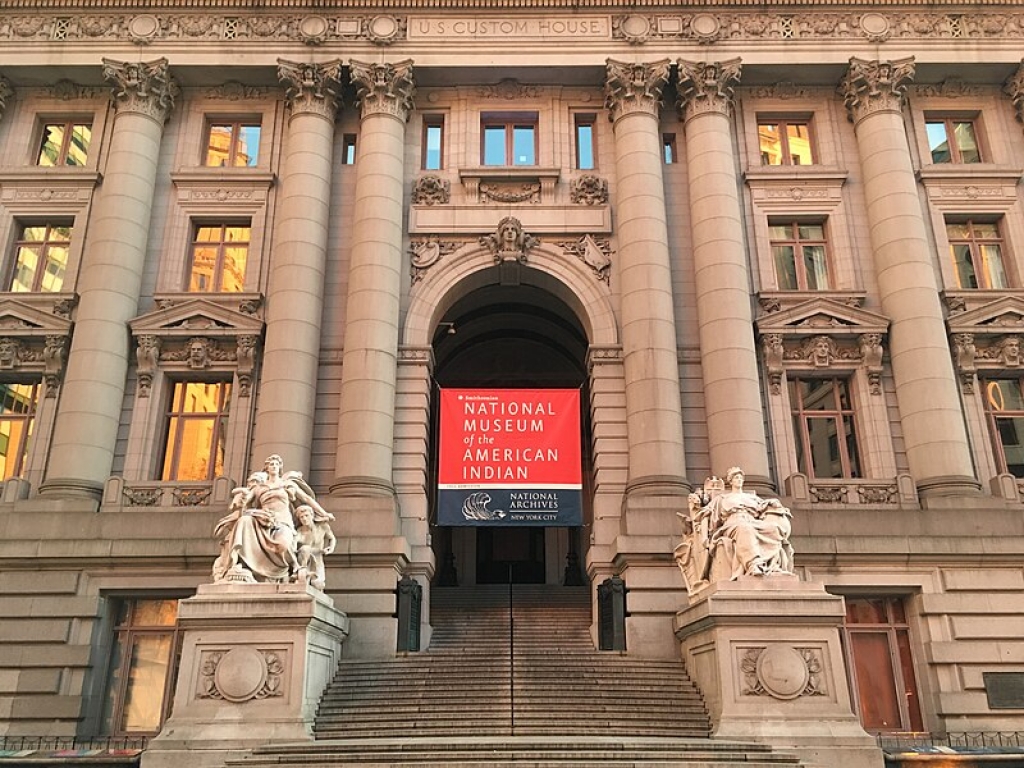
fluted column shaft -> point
(931, 415)
(295, 292)
(650, 357)
(732, 384)
(369, 365)
(82, 450)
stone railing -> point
(898, 492)
(155, 493)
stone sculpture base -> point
(254, 662)
(765, 652)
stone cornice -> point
(144, 87)
(321, 6)
(635, 87)
(311, 88)
(384, 89)
(875, 86)
(707, 87)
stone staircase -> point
(519, 687)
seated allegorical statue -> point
(732, 533)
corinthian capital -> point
(707, 87)
(875, 86)
(384, 89)
(1014, 88)
(6, 94)
(311, 88)
(145, 87)
(634, 87)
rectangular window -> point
(64, 144)
(348, 149)
(232, 143)
(876, 639)
(800, 253)
(1004, 406)
(785, 142)
(823, 422)
(585, 155)
(142, 668)
(41, 257)
(219, 254)
(977, 251)
(433, 142)
(196, 430)
(953, 140)
(17, 414)
(668, 145)
(509, 139)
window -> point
(433, 142)
(785, 142)
(826, 441)
(196, 430)
(668, 145)
(232, 143)
(585, 156)
(17, 412)
(1004, 406)
(977, 251)
(348, 149)
(800, 255)
(64, 144)
(41, 257)
(219, 253)
(142, 668)
(876, 639)
(509, 139)
(953, 140)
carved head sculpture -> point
(1011, 351)
(734, 478)
(198, 353)
(304, 514)
(510, 231)
(821, 351)
(273, 465)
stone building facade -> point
(789, 239)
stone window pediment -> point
(35, 335)
(986, 337)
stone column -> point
(732, 383)
(110, 278)
(295, 292)
(926, 389)
(657, 461)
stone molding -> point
(384, 89)
(6, 94)
(35, 335)
(987, 337)
(311, 89)
(707, 87)
(145, 87)
(875, 86)
(633, 88)
(1014, 88)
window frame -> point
(584, 120)
(955, 152)
(975, 244)
(799, 266)
(236, 124)
(992, 420)
(783, 122)
(29, 433)
(170, 455)
(669, 154)
(802, 436)
(221, 245)
(23, 224)
(68, 124)
(510, 121)
(431, 121)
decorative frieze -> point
(707, 87)
(386, 89)
(589, 189)
(235, 91)
(508, 89)
(875, 86)
(311, 88)
(145, 87)
(634, 87)
(431, 190)
(498, 192)
(595, 252)
(66, 90)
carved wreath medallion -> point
(782, 672)
(241, 674)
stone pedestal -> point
(765, 652)
(255, 660)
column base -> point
(948, 485)
(71, 488)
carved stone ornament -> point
(634, 29)
(66, 90)
(508, 89)
(504, 192)
(596, 253)
(782, 672)
(1014, 88)
(385, 29)
(431, 190)
(875, 86)
(707, 87)
(386, 89)
(634, 87)
(509, 242)
(311, 88)
(241, 674)
(143, 87)
(235, 91)
(6, 94)
(426, 253)
(34, 338)
(589, 189)
(986, 336)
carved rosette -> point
(1014, 88)
(875, 86)
(431, 190)
(634, 87)
(143, 87)
(707, 87)
(311, 88)
(384, 89)
(6, 94)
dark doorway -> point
(510, 555)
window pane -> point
(247, 147)
(12, 443)
(585, 146)
(966, 142)
(963, 263)
(1003, 395)
(876, 681)
(78, 146)
(770, 143)
(432, 157)
(494, 145)
(938, 142)
(816, 267)
(811, 231)
(25, 269)
(799, 140)
(852, 457)
(860, 610)
(155, 613)
(909, 679)
(668, 142)
(1011, 436)
(785, 267)
(826, 459)
(780, 231)
(147, 676)
(984, 230)
(992, 257)
(53, 141)
(204, 261)
(219, 149)
(523, 146)
(817, 395)
(232, 278)
(196, 443)
(53, 270)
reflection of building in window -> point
(585, 156)
(41, 257)
(1004, 406)
(785, 142)
(64, 144)
(196, 430)
(953, 140)
(219, 254)
(17, 412)
(668, 145)
(509, 138)
(800, 255)
(977, 251)
(433, 142)
(234, 144)
(142, 666)
(348, 149)
(823, 422)
(876, 639)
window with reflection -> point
(800, 253)
(220, 251)
(1004, 406)
(196, 430)
(668, 148)
(433, 142)
(41, 257)
(953, 140)
(232, 143)
(348, 149)
(823, 423)
(142, 667)
(64, 144)
(584, 139)
(876, 642)
(785, 142)
(509, 138)
(17, 415)
(976, 248)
